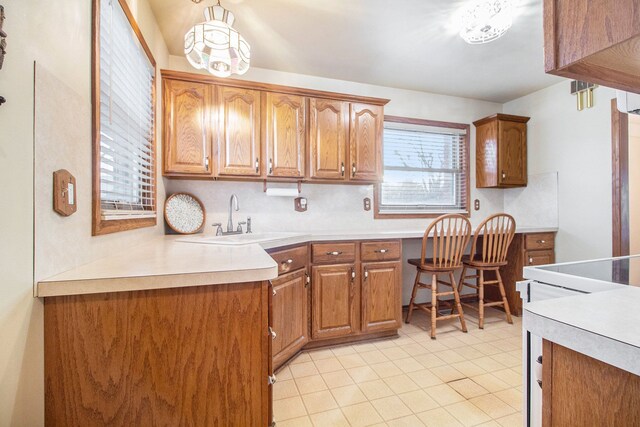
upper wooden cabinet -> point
(187, 128)
(364, 142)
(284, 124)
(501, 151)
(328, 138)
(595, 41)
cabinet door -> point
(512, 156)
(333, 312)
(238, 131)
(328, 136)
(187, 128)
(381, 296)
(365, 142)
(290, 316)
(285, 127)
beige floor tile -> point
(425, 378)
(401, 384)
(438, 417)
(284, 389)
(506, 359)
(509, 377)
(391, 408)
(337, 379)
(414, 349)
(429, 360)
(331, 364)
(511, 397)
(402, 341)
(408, 365)
(450, 356)
(362, 374)
(301, 358)
(362, 414)
(373, 357)
(285, 409)
(408, 421)
(319, 401)
(284, 374)
(490, 382)
(491, 423)
(452, 342)
(348, 395)
(364, 347)
(375, 389)
(418, 401)
(468, 368)
(386, 369)
(517, 370)
(468, 388)
(343, 350)
(305, 369)
(295, 422)
(513, 420)
(394, 353)
(467, 413)
(432, 345)
(352, 361)
(384, 344)
(489, 364)
(469, 353)
(447, 373)
(310, 384)
(324, 353)
(333, 418)
(487, 349)
(444, 395)
(492, 406)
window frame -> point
(431, 123)
(99, 225)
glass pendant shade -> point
(215, 46)
(486, 20)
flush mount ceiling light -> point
(483, 21)
(215, 46)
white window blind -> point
(127, 75)
(425, 170)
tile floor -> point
(456, 380)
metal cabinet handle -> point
(542, 241)
(342, 169)
(272, 333)
(274, 292)
(381, 251)
(257, 165)
(307, 279)
(353, 275)
(271, 379)
(335, 253)
(353, 170)
(530, 260)
(206, 163)
(504, 175)
(366, 275)
(289, 261)
(270, 166)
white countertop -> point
(166, 263)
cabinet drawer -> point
(539, 257)
(380, 251)
(291, 259)
(324, 253)
(539, 241)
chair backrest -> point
(450, 235)
(496, 233)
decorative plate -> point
(184, 213)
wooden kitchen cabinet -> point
(238, 132)
(284, 124)
(334, 310)
(365, 142)
(290, 324)
(501, 151)
(187, 133)
(381, 296)
(594, 41)
(328, 138)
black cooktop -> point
(625, 271)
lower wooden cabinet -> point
(381, 296)
(289, 308)
(333, 308)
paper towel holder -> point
(264, 186)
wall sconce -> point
(579, 88)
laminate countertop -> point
(166, 262)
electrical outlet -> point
(476, 204)
(367, 204)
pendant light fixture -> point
(483, 21)
(214, 45)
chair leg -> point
(504, 297)
(456, 299)
(481, 299)
(434, 304)
(413, 296)
(459, 284)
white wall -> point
(576, 144)
(58, 36)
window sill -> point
(410, 215)
(101, 227)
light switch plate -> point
(300, 204)
(64, 193)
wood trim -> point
(100, 226)
(549, 25)
(268, 87)
(504, 117)
(620, 181)
(432, 123)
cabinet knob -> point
(271, 379)
(366, 275)
(257, 165)
(334, 253)
(274, 292)
(307, 279)
(289, 261)
(504, 175)
(353, 170)
(530, 260)
(542, 241)
(342, 169)
(381, 251)
(272, 333)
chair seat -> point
(466, 260)
(427, 265)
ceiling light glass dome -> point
(486, 20)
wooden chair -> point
(450, 236)
(495, 234)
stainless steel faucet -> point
(233, 204)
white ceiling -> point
(409, 44)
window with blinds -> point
(425, 170)
(127, 114)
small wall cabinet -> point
(284, 134)
(594, 41)
(501, 151)
(328, 138)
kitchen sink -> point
(240, 239)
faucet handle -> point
(240, 225)
(248, 225)
(219, 229)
